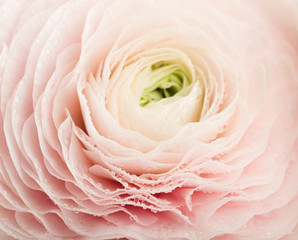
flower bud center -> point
(164, 80)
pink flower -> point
(141, 119)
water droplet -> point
(187, 235)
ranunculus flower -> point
(138, 119)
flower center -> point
(164, 80)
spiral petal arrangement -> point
(140, 119)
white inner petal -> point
(180, 110)
(161, 119)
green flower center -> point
(165, 80)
